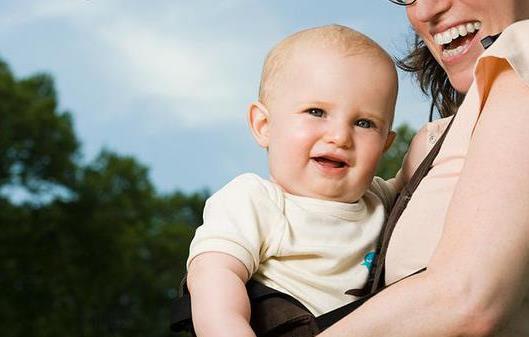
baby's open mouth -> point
(330, 162)
(454, 40)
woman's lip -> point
(445, 26)
(448, 60)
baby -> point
(324, 115)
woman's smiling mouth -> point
(455, 40)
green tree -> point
(38, 152)
(392, 159)
(103, 261)
(38, 147)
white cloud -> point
(23, 12)
(174, 69)
(169, 52)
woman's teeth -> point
(453, 33)
(453, 52)
(445, 38)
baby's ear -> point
(389, 140)
(259, 121)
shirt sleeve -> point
(240, 220)
(385, 190)
(512, 47)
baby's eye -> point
(316, 112)
(365, 123)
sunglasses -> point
(403, 2)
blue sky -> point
(169, 81)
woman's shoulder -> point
(428, 135)
(502, 74)
(433, 130)
(511, 46)
(421, 144)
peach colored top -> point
(420, 227)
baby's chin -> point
(321, 195)
(340, 198)
(320, 191)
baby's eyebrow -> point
(375, 116)
(316, 103)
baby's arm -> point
(226, 250)
(219, 301)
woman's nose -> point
(429, 10)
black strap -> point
(181, 308)
(487, 41)
(326, 320)
(181, 314)
(181, 317)
(258, 292)
(401, 203)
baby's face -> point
(329, 123)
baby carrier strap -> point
(274, 314)
(181, 310)
(376, 280)
(326, 320)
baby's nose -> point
(340, 135)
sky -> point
(169, 81)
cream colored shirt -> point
(419, 229)
(312, 249)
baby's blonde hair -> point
(340, 38)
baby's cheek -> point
(281, 163)
(371, 156)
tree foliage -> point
(38, 146)
(104, 259)
(392, 159)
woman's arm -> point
(476, 276)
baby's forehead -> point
(308, 57)
(332, 38)
(347, 43)
(302, 52)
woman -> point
(468, 221)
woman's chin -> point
(461, 81)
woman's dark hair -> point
(432, 79)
